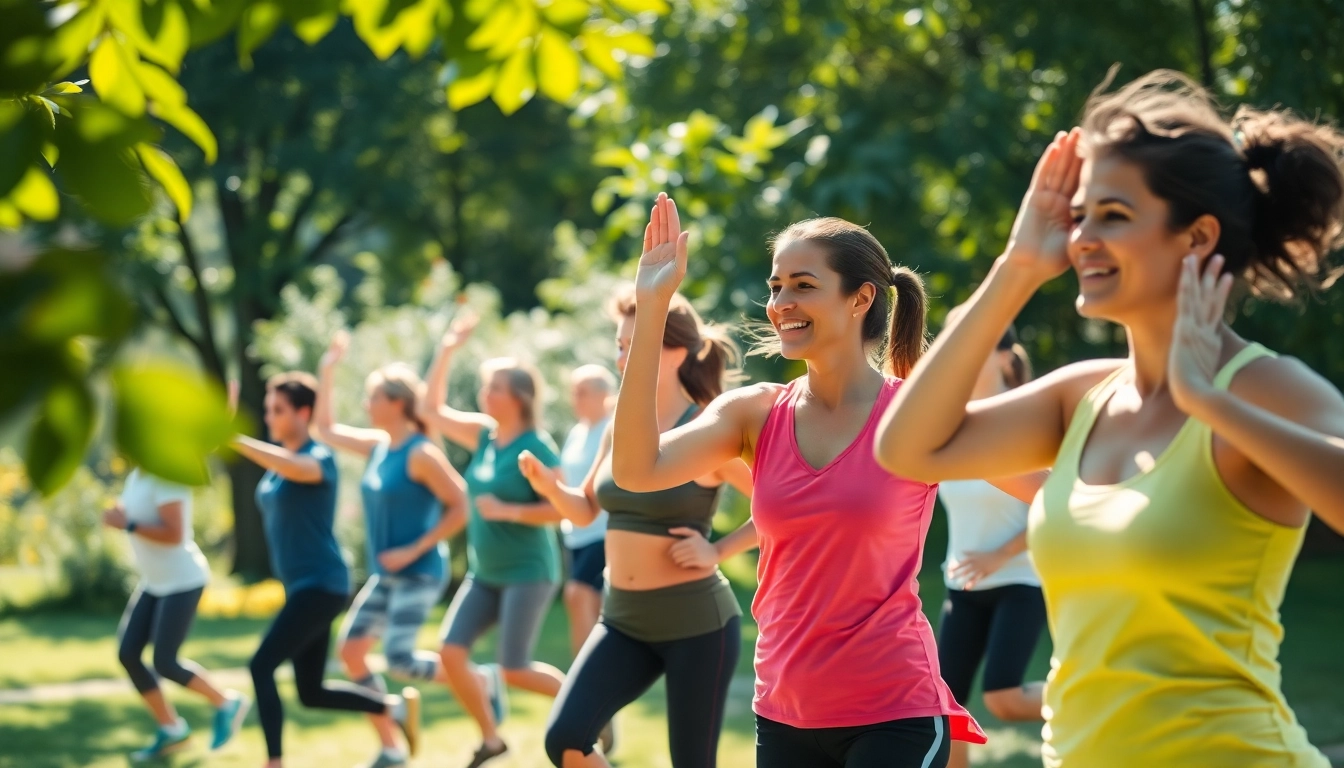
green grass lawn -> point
(99, 732)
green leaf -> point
(614, 157)
(169, 419)
(61, 89)
(634, 43)
(59, 435)
(35, 196)
(73, 38)
(26, 58)
(61, 295)
(567, 13)
(498, 26)
(166, 25)
(659, 7)
(558, 66)
(470, 80)
(598, 48)
(516, 84)
(97, 163)
(160, 166)
(111, 69)
(21, 136)
(190, 125)
(258, 23)
(161, 86)
(314, 28)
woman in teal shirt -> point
(513, 557)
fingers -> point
(681, 249)
(648, 237)
(233, 394)
(1043, 167)
(1073, 171)
(673, 220)
(656, 223)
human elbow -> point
(904, 462)
(629, 476)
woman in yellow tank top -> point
(1183, 475)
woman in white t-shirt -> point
(156, 514)
(994, 610)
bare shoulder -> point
(746, 405)
(1290, 388)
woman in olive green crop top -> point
(667, 609)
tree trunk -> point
(251, 558)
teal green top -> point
(509, 553)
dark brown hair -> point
(711, 354)
(1271, 179)
(1019, 366)
(899, 309)
(298, 388)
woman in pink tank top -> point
(846, 667)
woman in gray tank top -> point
(658, 617)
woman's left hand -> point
(977, 566)
(114, 517)
(1196, 339)
(493, 509)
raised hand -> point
(693, 551)
(340, 342)
(542, 478)
(457, 334)
(233, 397)
(1040, 237)
(663, 263)
(1197, 339)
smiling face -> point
(807, 306)
(1126, 256)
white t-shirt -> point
(165, 569)
(576, 458)
(981, 518)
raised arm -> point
(461, 427)
(282, 461)
(577, 505)
(642, 459)
(324, 427)
(1284, 418)
(429, 467)
(932, 431)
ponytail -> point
(705, 372)
(907, 339)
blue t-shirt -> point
(298, 518)
(398, 510)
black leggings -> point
(1000, 625)
(917, 742)
(164, 621)
(614, 669)
(302, 634)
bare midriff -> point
(642, 561)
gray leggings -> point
(393, 608)
(519, 609)
(165, 622)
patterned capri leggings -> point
(394, 608)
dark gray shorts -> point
(519, 609)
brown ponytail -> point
(907, 339)
(711, 354)
(400, 382)
(1272, 180)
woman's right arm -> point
(301, 468)
(932, 431)
(325, 428)
(577, 505)
(642, 459)
(461, 427)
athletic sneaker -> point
(228, 719)
(387, 758)
(497, 691)
(487, 753)
(406, 713)
(167, 740)
(606, 738)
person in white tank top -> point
(994, 610)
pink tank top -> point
(843, 639)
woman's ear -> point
(862, 300)
(1202, 236)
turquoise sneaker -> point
(228, 719)
(166, 742)
(496, 691)
(387, 759)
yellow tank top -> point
(1163, 593)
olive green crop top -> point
(691, 505)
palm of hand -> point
(1197, 341)
(1040, 236)
(663, 262)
